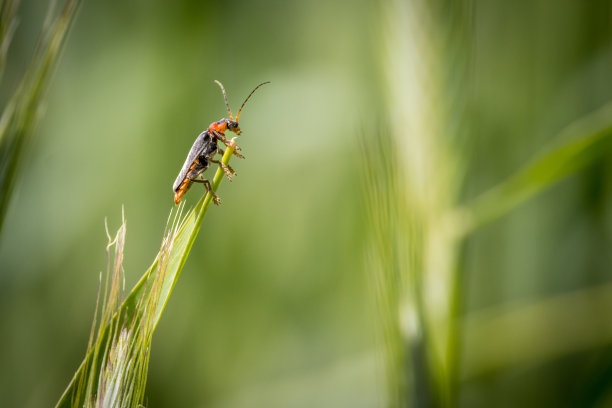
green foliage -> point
(22, 112)
(114, 371)
(484, 236)
(418, 226)
(585, 141)
(398, 249)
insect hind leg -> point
(196, 170)
(208, 188)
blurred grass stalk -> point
(414, 174)
(23, 110)
(413, 255)
(114, 371)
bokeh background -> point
(277, 305)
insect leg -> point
(226, 168)
(223, 139)
(208, 188)
(221, 152)
(238, 154)
(196, 169)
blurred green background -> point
(276, 305)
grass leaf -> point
(581, 143)
(22, 112)
(142, 308)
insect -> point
(205, 148)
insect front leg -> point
(220, 136)
(237, 154)
(224, 140)
(208, 187)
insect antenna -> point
(225, 97)
(247, 98)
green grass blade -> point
(8, 25)
(21, 114)
(582, 143)
(169, 262)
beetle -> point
(205, 148)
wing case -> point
(199, 146)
